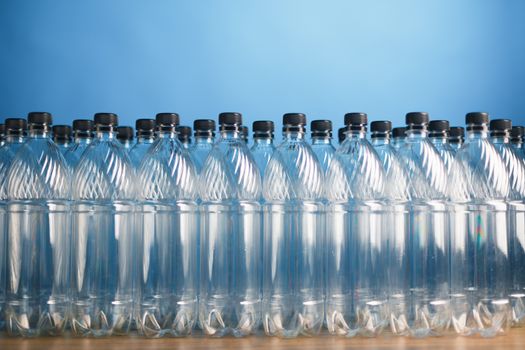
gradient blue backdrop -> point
(262, 58)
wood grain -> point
(514, 340)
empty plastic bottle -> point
(429, 308)
(487, 256)
(357, 289)
(145, 130)
(184, 135)
(168, 191)
(456, 137)
(15, 137)
(321, 131)
(62, 137)
(244, 134)
(103, 235)
(396, 193)
(341, 135)
(82, 137)
(2, 135)
(230, 190)
(125, 136)
(263, 147)
(39, 230)
(500, 137)
(204, 135)
(398, 137)
(293, 291)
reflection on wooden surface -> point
(515, 340)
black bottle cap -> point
(500, 125)
(294, 119)
(416, 118)
(477, 118)
(321, 126)
(230, 118)
(204, 125)
(145, 125)
(106, 119)
(356, 118)
(61, 131)
(382, 126)
(124, 133)
(82, 125)
(263, 126)
(516, 133)
(39, 118)
(341, 134)
(184, 133)
(167, 119)
(438, 127)
(456, 131)
(399, 131)
(16, 124)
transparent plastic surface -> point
(262, 151)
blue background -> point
(263, 58)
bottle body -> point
(38, 225)
(73, 153)
(324, 151)
(104, 224)
(139, 150)
(262, 151)
(230, 286)
(200, 150)
(294, 230)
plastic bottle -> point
(397, 194)
(500, 137)
(125, 136)
(487, 256)
(357, 289)
(263, 146)
(83, 135)
(62, 137)
(398, 137)
(104, 221)
(341, 135)
(244, 134)
(184, 134)
(456, 137)
(293, 292)
(230, 190)
(168, 191)
(145, 131)
(321, 131)
(2, 135)
(429, 309)
(39, 231)
(15, 130)
(204, 135)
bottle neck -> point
(15, 137)
(356, 134)
(39, 131)
(439, 140)
(293, 135)
(414, 135)
(145, 138)
(500, 139)
(234, 133)
(203, 139)
(262, 140)
(325, 140)
(380, 141)
(477, 134)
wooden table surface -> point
(514, 340)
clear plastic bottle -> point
(230, 190)
(15, 130)
(204, 135)
(429, 308)
(125, 136)
(82, 137)
(500, 137)
(2, 135)
(397, 194)
(62, 137)
(341, 135)
(487, 256)
(145, 130)
(184, 134)
(293, 291)
(168, 185)
(263, 147)
(398, 137)
(456, 137)
(39, 230)
(357, 289)
(104, 224)
(245, 134)
(321, 131)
